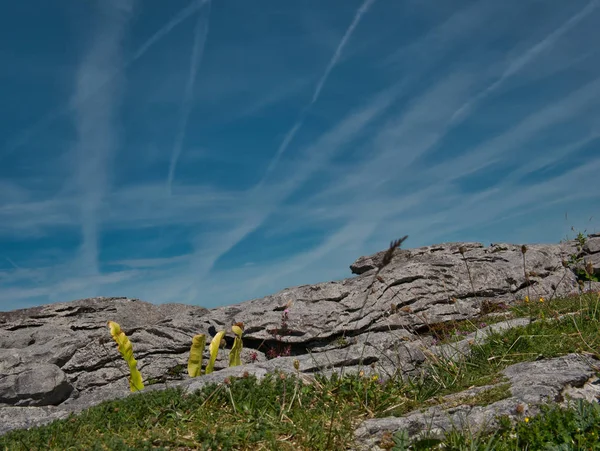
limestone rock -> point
(60, 358)
(531, 385)
(34, 385)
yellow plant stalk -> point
(235, 356)
(195, 360)
(126, 350)
(214, 349)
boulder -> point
(34, 385)
(60, 358)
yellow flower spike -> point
(214, 349)
(195, 360)
(237, 330)
(235, 358)
(126, 350)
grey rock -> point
(532, 384)
(592, 245)
(60, 358)
(34, 385)
(28, 417)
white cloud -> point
(510, 144)
(355, 184)
(289, 136)
(257, 205)
(526, 58)
(150, 262)
(94, 121)
(24, 136)
(200, 34)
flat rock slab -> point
(532, 384)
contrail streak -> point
(200, 34)
(27, 134)
(12, 263)
(527, 57)
(94, 123)
(336, 56)
(332, 63)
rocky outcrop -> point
(532, 384)
(60, 358)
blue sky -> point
(210, 152)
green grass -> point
(282, 412)
(576, 428)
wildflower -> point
(541, 299)
(526, 420)
(296, 364)
(374, 377)
(361, 373)
(526, 300)
(254, 357)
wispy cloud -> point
(257, 205)
(509, 144)
(181, 16)
(527, 58)
(338, 51)
(459, 28)
(470, 124)
(94, 121)
(200, 34)
(289, 136)
(150, 262)
(24, 136)
(405, 137)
